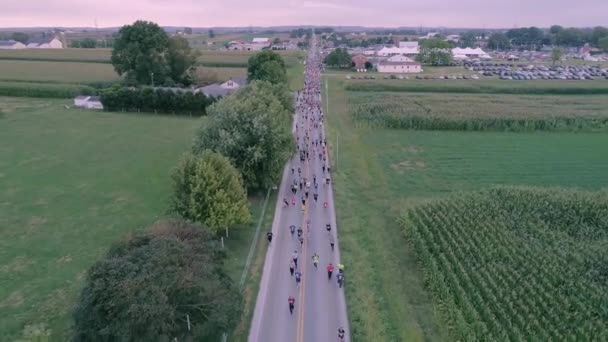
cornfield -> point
(516, 264)
(470, 112)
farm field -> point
(211, 58)
(74, 181)
(487, 86)
(516, 263)
(500, 112)
(60, 72)
(380, 171)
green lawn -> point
(60, 72)
(381, 171)
(73, 182)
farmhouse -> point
(11, 45)
(256, 44)
(89, 102)
(399, 65)
(222, 89)
(45, 43)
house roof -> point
(242, 81)
(214, 90)
(398, 50)
(399, 58)
(8, 42)
(41, 40)
(388, 62)
(409, 45)
(260, 40)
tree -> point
(252, 129)
(88, 43)
(149, 286)
(141, 50)
(555, 29)
(21, 37)
(603, 43)
(598, 33)
(556, 55)
(267, 66)
(182, 61)
(499, 41)
(211, 34)
(468, 39)
(209, 190)
(339, 58)
(435, 52)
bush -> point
(49, 90)
(146, 99)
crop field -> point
(223, 74)
(379, 172)
(433, 111)
(60, 72)
(513, 264)
(74, 181)
(483, 86)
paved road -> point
(320, 307)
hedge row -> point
(484, 88)
(49, 90)
(155, 100)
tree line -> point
(168, 281)
(159, 100)
(533, 38)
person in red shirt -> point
(292, 302)
(330, 270)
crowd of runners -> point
(310, 176)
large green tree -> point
(251, 128)
(140, 51)
(435, 52)
(209, 190)
(603, 43)
(267, 66)
(499, 41)
(339, 58)
(154, 286)
(145, 54)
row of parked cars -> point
(418, 77)
(538, 72)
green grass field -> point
(74, 181)
(381, 171)
(60, 72)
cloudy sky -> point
(389, 13)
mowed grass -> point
(73, 182)
(60, 72)
(380, 171)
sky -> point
(378, 13)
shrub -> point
(50, 90)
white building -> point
(89, 102)
(399, 65)
(393, 50)
(461, 54)
(11, 45)
(45, 43)
(430, 35)
(260, 41)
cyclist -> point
(292, 267)
(315, 259)
(301, 241)
(292, 229)
(340, 278)
(292, 302)
(298, 278)
(300, 231)
(340, 268)
(315, 195)
(331, 241)
(341, 333)
(328, 227)
(330, 270)
(269, 236)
